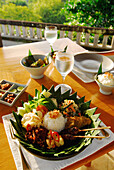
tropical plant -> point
(95, 13)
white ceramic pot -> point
(36, 72)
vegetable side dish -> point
(31, 62)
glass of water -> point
(51, 34)
(64, 63)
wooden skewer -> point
(108, 127)
(89, 136)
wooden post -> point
(78, 37)
(96, 38)
(62, 34)
(112, 43)
(87, 39)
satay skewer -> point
(98, 128)
(89, 136)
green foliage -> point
(11, 11)
(18, 2)
(49, 11)
(34, 10)
(97, 13)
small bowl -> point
(104, 89)
(36, 72)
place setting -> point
(86, 65)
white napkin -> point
(84, 76)
(37, 163)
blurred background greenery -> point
(93, 13)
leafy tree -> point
(52, 14)
(13, 12)
(49, 11)
(2, 2)
(18, 2)
(98, 13)
(33, 10)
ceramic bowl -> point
(104, 89)
(36, 72)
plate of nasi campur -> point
(52, 125)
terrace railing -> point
(88, 37)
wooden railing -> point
(33, 31)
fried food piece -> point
(5, 86)
(38, 63)
(37, 135)
(46, 61)
(79, 122)
(28, 61)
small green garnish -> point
(44, 65)
(13, 90)
(100, 69)
(20, 88)
(52, 51)
(65, 49)
(30, 54)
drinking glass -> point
(51, 34)
(64, 63)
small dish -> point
(36, 72)
(104, 89)
(10, 92)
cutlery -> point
(24, 162)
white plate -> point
(90, 62)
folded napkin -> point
(37, 163)
(84, 76)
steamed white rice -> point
(106, 79)
(54, 120)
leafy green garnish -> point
(100, 69)
(30, 54)
(65, 49)
(52, 51)
(29, 59)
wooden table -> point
(10, 69)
